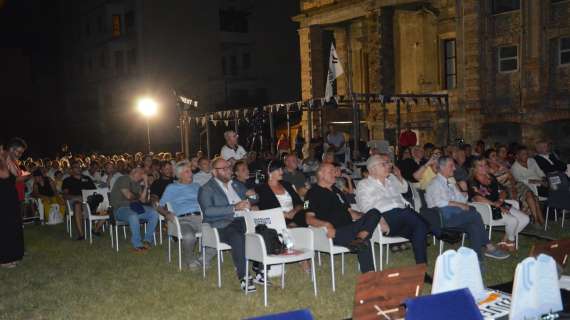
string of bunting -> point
(230, 115)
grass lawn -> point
(64, 279)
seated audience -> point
(383, 190)
(427, 171)
(110, 175)
(219, 202)
(346, 227)
(456, 212)
(310, 165)
(461, 173)
(130, 203)
(548, 161)
(72, 187)
(182, 195)
(94, 173)
(242, 183)
(277, 192)
(232, 151)
(516, 190)
(483, 187)
(526, 170)
(166, 177)
(45, 191)
(410, 165)
(203, 175)
(292, 174)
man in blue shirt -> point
(183, 198)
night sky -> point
(28, 81)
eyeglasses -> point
(223, 168)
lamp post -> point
(148, 108)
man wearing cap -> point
(232, 151)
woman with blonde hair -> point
(484, 188)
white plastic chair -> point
(322, 243)
(255, 249)
(40, 209)
(68, 218)
(174, 231)
(379, 238)
(89, 217)
(211, 239)
(486, 213)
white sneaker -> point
(259, 279)
(247, 285)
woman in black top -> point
(11, 232)
(278, 193)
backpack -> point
(93, 202)
(271, 238)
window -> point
(119, 61)
(246, 61)
(129, 21)
(116, 25)
(449, 64)
(232, 20)
(564, 51)
(233, 65)
(90, 63)
(508, 59)
(500, 6)
(132, 58)
(102, 60)
(100, 24)
(224, 66)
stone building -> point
(223, 53)
(504, 63)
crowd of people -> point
(351, 196)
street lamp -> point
(148, 108)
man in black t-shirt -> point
(166, 177)
(328, 208)
(72, 187)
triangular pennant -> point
(197, 120)
(204, 121)
(226, 122)
(215, 122)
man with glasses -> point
(72, 187)
(219, 202)
(232, 151)
(383, 190)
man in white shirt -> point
(382, 190)
(232, 151)
(456, 213)
(204, 175)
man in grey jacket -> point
(219, 202)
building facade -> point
(221, 53)
(505, 64)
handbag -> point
(271, 238)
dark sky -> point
(28, 60)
